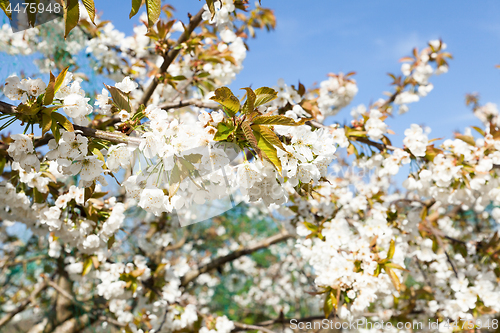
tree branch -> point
(24, 303)
(112, 137)
(172, 54)
(218, 262)
(190, 102)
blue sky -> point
(369, 37)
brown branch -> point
(190, 102)
(24, 303)
(60, 290)
(380, 146)
(218, 262)
(16, 262)
(172, 54)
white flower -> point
(152, 200)
(11, 88)
(375, 126)
(416, 140)
(118, 156)
(72, 146)
(102, 101)
(127, 85)
(89, 168)
(150, 146)
(75, 105)
(91, 242)
(124, 115)
(33, 87)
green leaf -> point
(87, 266)
(175, 181)
(50, 91)
(394, 277)
(99, 155)
(136, 5)
(46, 123)
(120, 99)
(250, 101)
(278, 120)
(223, 131)
(26, 109)
(3, 161)
(330, 303)
(264, 95)
(63, 121)
(224, 96)
(55, 131)
(480, 131)
(60, 79)
(89, 191)
(268, 135)
(71, 16)
(392, 265)
(269, 151)
(4, 4)
(153, 8)
(392, 248)
(466, 138)
(89, 6)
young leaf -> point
(278, 120)
(46, 123)
(136, 5)
(153, 8)
(60, 79)
(268, 135)
(392, 265)
(4, 4)
(89, 6)
(392, 248)
(269, 151)
(55, 131)
(99, 155)
(394, 278)
(3, 161)
(175, 181)
(264, 95)
(223, 131)
(330, 299)
(49, 92)
(119, 98)
(250, 102)
(71, 16)
(87, 266)
(63, 121)
(249, 135)
(224, 96)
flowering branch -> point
(24, 303)
(190, 102)
(172, 54)
(6, 108)
(193, 274)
